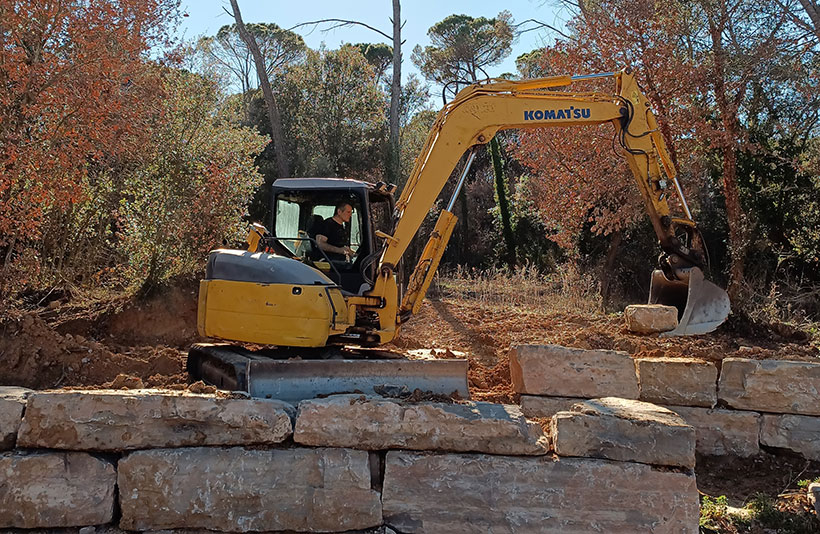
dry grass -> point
(565, 290)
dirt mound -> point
(167, 318)
(91, 345)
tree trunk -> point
(393, 166)
(728, 114)
(609, 263)
(273, 110)
(813, 10)
(503, 204)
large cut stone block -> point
(678, 381)
(55, 489)
(799, 433)
(722, 432)
(567, 372)
(625, 430)
(461, 493)
(534, 406)
(814, 496)
(12, 404)
(650, 318)
(138, 419)
(240, 490)
(776, 386)
(375, 423)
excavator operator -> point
(331, 236)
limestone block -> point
(799, 433)
(776, 386)
(119, 420)
(55, 489)
(12, 404)
(814, 496)
(678, 381)
(240, 490)
(534, 406)
(461, 493)
(722, 432)
(625, 430)
(650, 318)
(567, 372)
(376, 423)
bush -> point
(193, 187)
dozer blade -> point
(293, 375)
(295, 380)
(702, 306)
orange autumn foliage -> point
(76, 92)
(578, 175)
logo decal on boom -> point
(551, 114)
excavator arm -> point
(474, 117)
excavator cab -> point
(301, 206)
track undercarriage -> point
(295, 374)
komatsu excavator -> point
(286, 290)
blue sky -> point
(205, 17)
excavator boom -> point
(481, 110)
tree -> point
(270, 100)
(577, 177)
(227, 50)
(740, 39)
(379, 55)
(394, 150)
(532, 64)
(812, 9)
(337, 113)
(703, 65)
(463, 47)
(191, 189)
(76, 97)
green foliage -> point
(379, 55)
(463, 46)
(766, 512)
(413, 135)
(531, 234)
(713, 510)
(228, 56)
(334, 118)
(337, 116)
(804, 484)
(533, 64)
(191, 190)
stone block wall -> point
(149, 460)
(746, 405)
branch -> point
(341, 23)
(538, 26)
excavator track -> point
(293, 375)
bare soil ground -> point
(91, 345)
(70, 345)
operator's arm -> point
(321, 240)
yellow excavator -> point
(288, 291)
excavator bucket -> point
(702, 306)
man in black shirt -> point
(331, 235)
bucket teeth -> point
(702, 306)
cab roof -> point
(321, 183)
